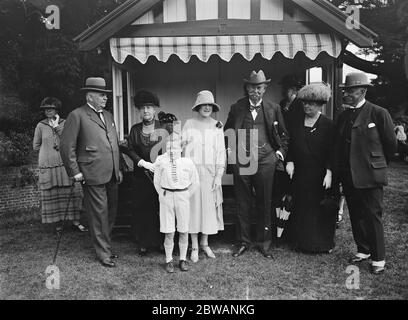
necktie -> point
(256, 108)
(100, 114)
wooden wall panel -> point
(272, 9)
(239, 9)
(147, 18)
(174, 10)
(206, 9)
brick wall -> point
(14, 196)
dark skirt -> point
(145, 220)
(312, 228)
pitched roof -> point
(130, 10)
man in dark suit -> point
(365, 143)
(258, 140)
(90, 152)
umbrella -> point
(283, 213)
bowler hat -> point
(146, 98)
(95, 84)
(356, 79)
(206, 97)
(257, 78)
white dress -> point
(206, 147)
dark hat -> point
(292, 81)
(96, 85)
(356, 79)
(166, 117)
(257, 78)
(50, 102)
(146, 98)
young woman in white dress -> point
(203, 139)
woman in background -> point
(54, 183)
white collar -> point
(94, 108)
(257, 105)
(360, 104)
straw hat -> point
(95, 84)
(356, 79)
(205, 97)
(257, 78)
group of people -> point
(273, 150)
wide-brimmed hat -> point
(356, 79)
(315, 92)
(257, 78)
(146, 98)
(206, 97)
(95, 84)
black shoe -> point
(241, 249)
(377, 270)
(356, 259)
(183, 265)
(170, 267)
(108, 263)
(114, 256)
(266, 254)
(79, 227)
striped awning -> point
(224, 46)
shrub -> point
(15, 149)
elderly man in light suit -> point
(90, 152)
(365, 143)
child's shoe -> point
(170, 267)
(183, 265)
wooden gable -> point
(162, 18)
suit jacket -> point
(373, 144)
(275, 125)
(90, 147)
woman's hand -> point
(216, 184)
(149, 166)
(327, 181)
(290, 169)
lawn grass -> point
(26, 249)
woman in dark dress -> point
(144, 144)
(309, 166)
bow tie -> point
(256, 108)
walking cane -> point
(63, 222)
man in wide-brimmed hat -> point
(90, 152)
(365, 143)
(263, 144)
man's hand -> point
(79, 177)
(279, 155)
(120, 177)
(327, 181)
(290, 169)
